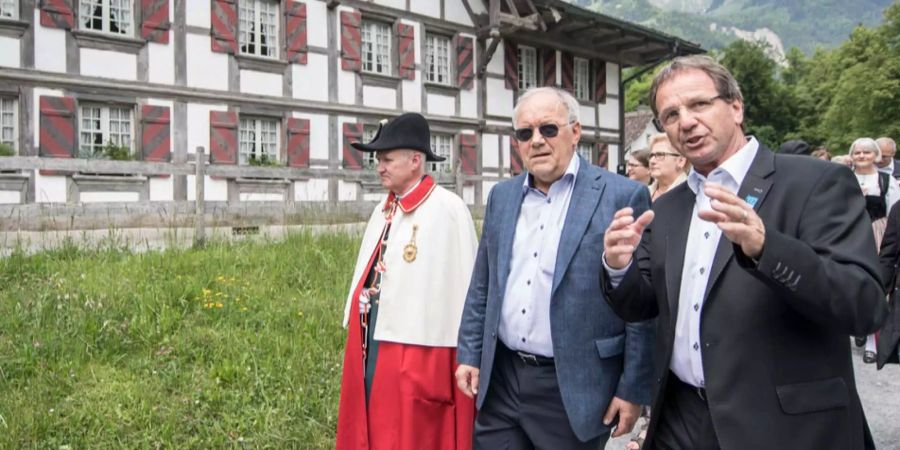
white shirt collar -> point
(735, 167)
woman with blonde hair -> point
(667, 167)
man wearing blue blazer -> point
(550, 363)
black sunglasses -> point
(548, 130)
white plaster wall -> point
(504, 152)
(347, 191)
(588, 115)
(198, 125)
(426, 7)
(162, 189)
(499, 99)
(612, 78)
(612, 160)
(318, 134)
(609, 114)
(412, 94)
(162, 62)
(490, 151)
(455, 11)
(261, 197)
(486, 190)
(469, 195)
(36, 112)
(310, 81)
(49, 189)
(9, 52)
(10, 197)
(101, 197)
(477, 7)
(379, 97)
(397, 4)
(213, 190)
(316, 18)
(49, 46)
(108, 64)
(198, 13)
(261, 83)
(160, 102)
(495, 65)
(205, 69)
(468, 102)
(314, 190)
(441, 105)
(373, 196)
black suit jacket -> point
(776, 355)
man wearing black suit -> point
(758, 268)
(888, 151)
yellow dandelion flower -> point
(206, 292)
(218, 294)
(219, 305)
(244, 309)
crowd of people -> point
(718, 287)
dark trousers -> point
(523, 409)
(684, 422)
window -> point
(586, 150)
(258, 141)
(376, 47)
(369, 160)
(108, 16)
(9, 9)
(527, 67)
(437, 59)
(258, 28)
(105, 132)
(441, 145)
(8, 137)
(582, 79)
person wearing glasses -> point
(757, 270)
(637, 167)
(551, 366)
(667, 167)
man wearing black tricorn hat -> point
(405, 304)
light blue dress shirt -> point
(525, 315)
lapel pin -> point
(751, 200)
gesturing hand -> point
(623, 235)
(736, 218)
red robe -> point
(414, 403)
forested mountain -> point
(805, 24)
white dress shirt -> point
(525, 315)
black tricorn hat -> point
(407, 131)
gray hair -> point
(886, 140)
(565, 98)
(864, 144)
(726, 86)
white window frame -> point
(586, 150)
(441, 145)
(263, 133)
(582, 78)
(109, 127)
(9, 9)
(126, 27)
(368, 158)
(377, 47)
(252, 17)
(527, 67)
(437, 59)
(9, 123)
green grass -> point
(237, 345)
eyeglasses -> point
(548, 130)
(671, 116)
(662, 155)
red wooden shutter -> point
(515, 160)
(600, 81)
(511, 67)
(406, 46)
(57, 14)
(352, 157)
(351, 40)
(549, 67)
(602, 154)
(223, 137)
(568, 72)
(224, 26)
(468, 154)
(295, 31)
(465, 62)
(155, 21)
(156, 142)
(298, 142)
(57, 135)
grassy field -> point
(237, 345)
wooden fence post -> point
(199, 202)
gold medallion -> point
(410, 250)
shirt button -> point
(523, 310)
(696, 307)
(702, 271)
(528, 282)
(696, 345)
(548, 200)
(523, 339)
(706, 235)
(535, 254)
(542, 227)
